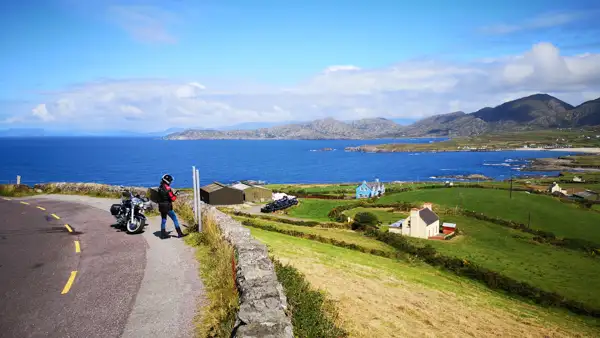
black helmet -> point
(167, 179)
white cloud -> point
(412, 89)
(545, 20)
(144, 23)
(41, 112)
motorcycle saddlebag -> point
(114, 209)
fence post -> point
(199, 211)
(195, 206)
(18, 179)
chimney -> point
(414, 212)
(428, 206)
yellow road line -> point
(69, 282)
(77, 247)
(41, 208)
(24, 203)
(54, 215)
(68, 228)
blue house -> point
(368, 190)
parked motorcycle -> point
(130, 213)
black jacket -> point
(166, 197)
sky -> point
(152, 65)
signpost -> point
(197, 210)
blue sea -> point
(142, 161)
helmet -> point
(167, 179)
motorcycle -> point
(130, 213)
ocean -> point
(142, 161)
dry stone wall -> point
(263, 303)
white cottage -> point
(422, 223)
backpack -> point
(154, 195)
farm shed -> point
(448, 228)
(254, 193)
(221, 194)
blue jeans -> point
(171, 214)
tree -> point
(364, 221)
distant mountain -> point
(316, 130)
(586, 114)
(539, 111)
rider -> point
(165, 205)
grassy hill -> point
(382, 297)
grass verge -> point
(217, 317)
(313, 314)
(381, 297)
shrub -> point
(364, 221)
(15, 190)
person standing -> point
(165, 205)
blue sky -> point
(256, 61)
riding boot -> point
(163, 234)
(179, 232)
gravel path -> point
(171, 289)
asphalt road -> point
(52, 287)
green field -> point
(386, 217)
(347, 236)
(381, 297)
(563, 219)
(315, 209)
(514, 254)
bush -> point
(15, 190)
(313, 315)
(364, 221)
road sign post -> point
(197, 211)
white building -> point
(555, 188)
(421, 223)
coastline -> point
(573, 150)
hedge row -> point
(318, 238)
(492, 279)
(293, 222)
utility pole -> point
(511, 185)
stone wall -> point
(263, 303)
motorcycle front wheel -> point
(136, 226)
